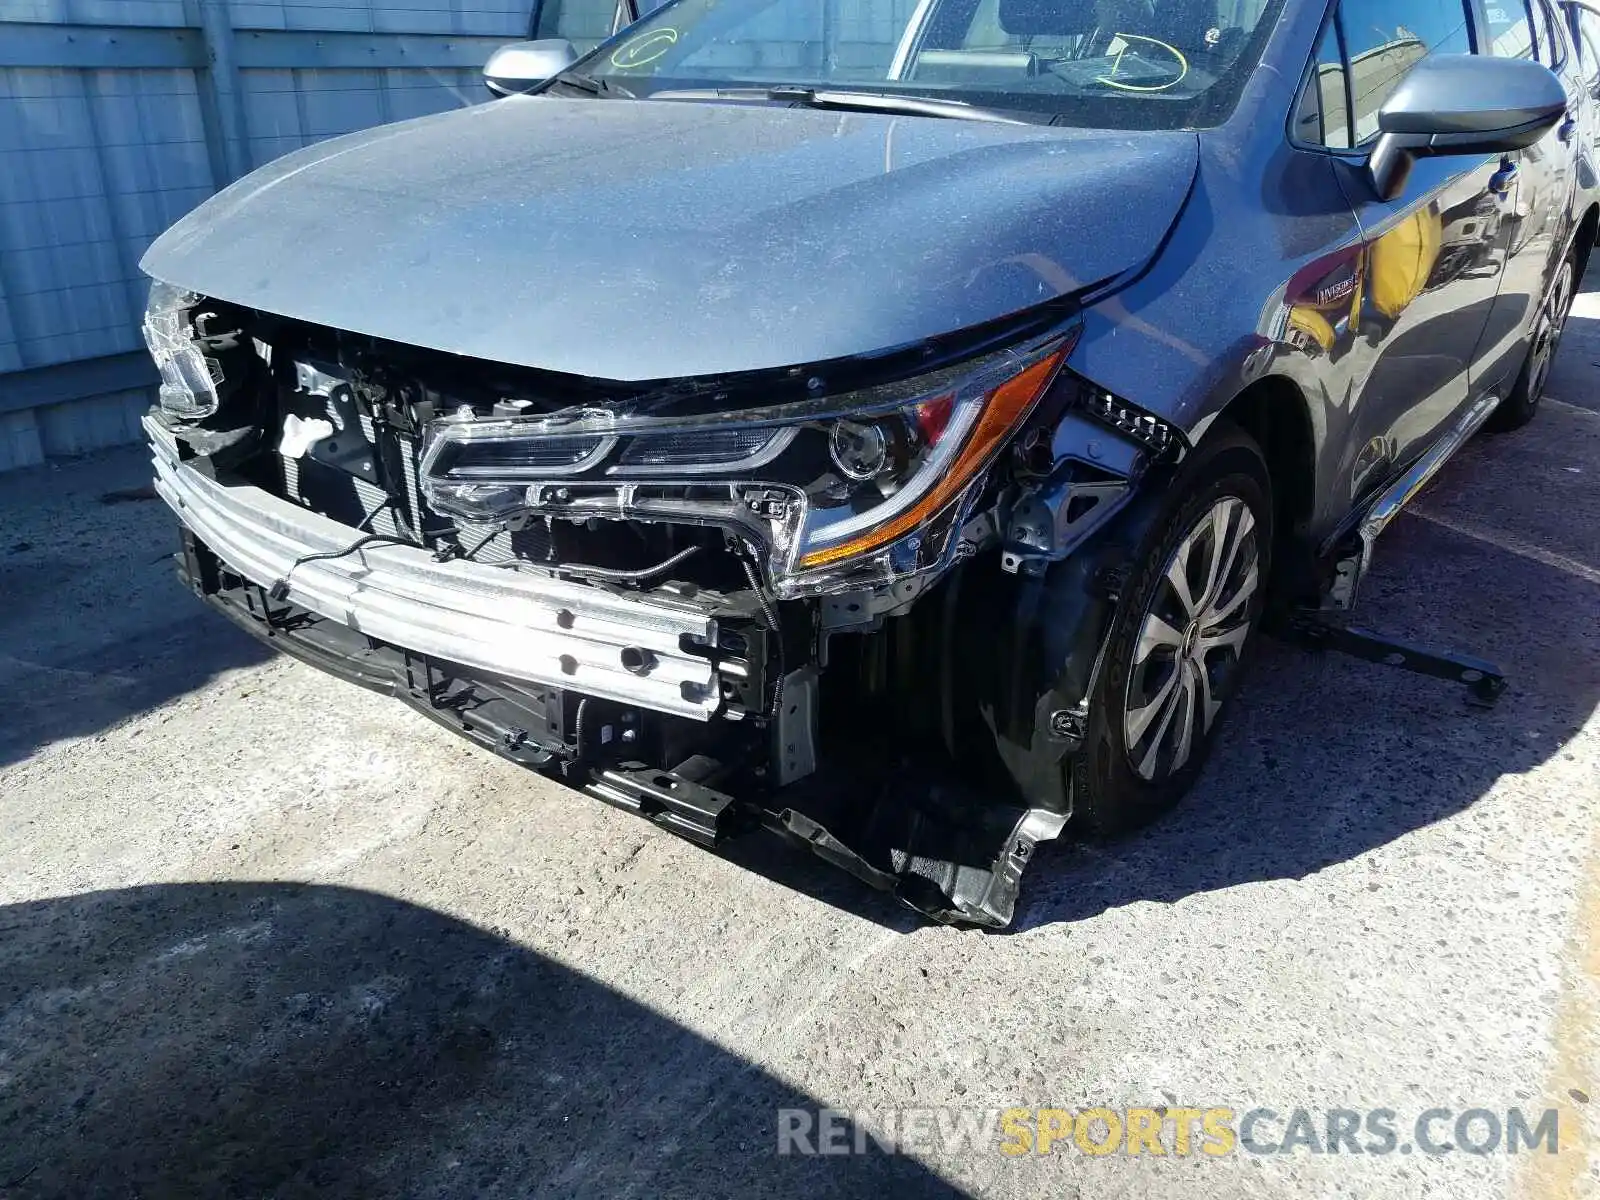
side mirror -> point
(522, 65)
(1463, 104)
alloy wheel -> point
(1552, 324)
(1191, 639)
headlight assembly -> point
(189, 378)
(842, 492)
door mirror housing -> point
(519, 66)
(1463, 104)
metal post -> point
(8, 328)
(135, 288)
(223, 92)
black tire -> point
(1522, 405)
(1111, 793)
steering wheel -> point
(1110, 80)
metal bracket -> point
(994, 902)
(1071, 725)
(1485, 682)
(863, 610)
(1348, 572)
(676, 800)
(1049, 524)
(953, 891)
(794, 733)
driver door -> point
(1410, 324)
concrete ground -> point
(262, 933)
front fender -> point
(1028, 691)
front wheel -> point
(1179, 640)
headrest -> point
(1186, 22)
(1048, 18)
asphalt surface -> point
(263, 933)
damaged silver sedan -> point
(897, 453)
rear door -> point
(1583, 26)
(1540, 218)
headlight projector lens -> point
(859, 451)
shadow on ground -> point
(94, 626)
(256, 1039)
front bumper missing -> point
(482, 652)
(946, 854)
(534, 630)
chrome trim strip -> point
(1400, 493)
(910, 40)
(1393, 500)
(510, 623)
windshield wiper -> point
(827, 98)
(593, 85)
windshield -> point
(1150, 64)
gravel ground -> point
(262, 933)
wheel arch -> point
(1587, 237)
(1275, 413)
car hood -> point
(637, 240)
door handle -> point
(1568, 128)
(1503, 180)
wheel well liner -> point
(1588, 236)
(1273, 412)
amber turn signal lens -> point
(1003, 410)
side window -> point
(1386, 38)
(1324, 116)
(1509, 30)
(1589, 36)
(1554, 36)
(584, 23)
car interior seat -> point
(1001, 43)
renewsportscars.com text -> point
(1214, 1132)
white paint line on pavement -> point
(1571, 407)
(1512, 545)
